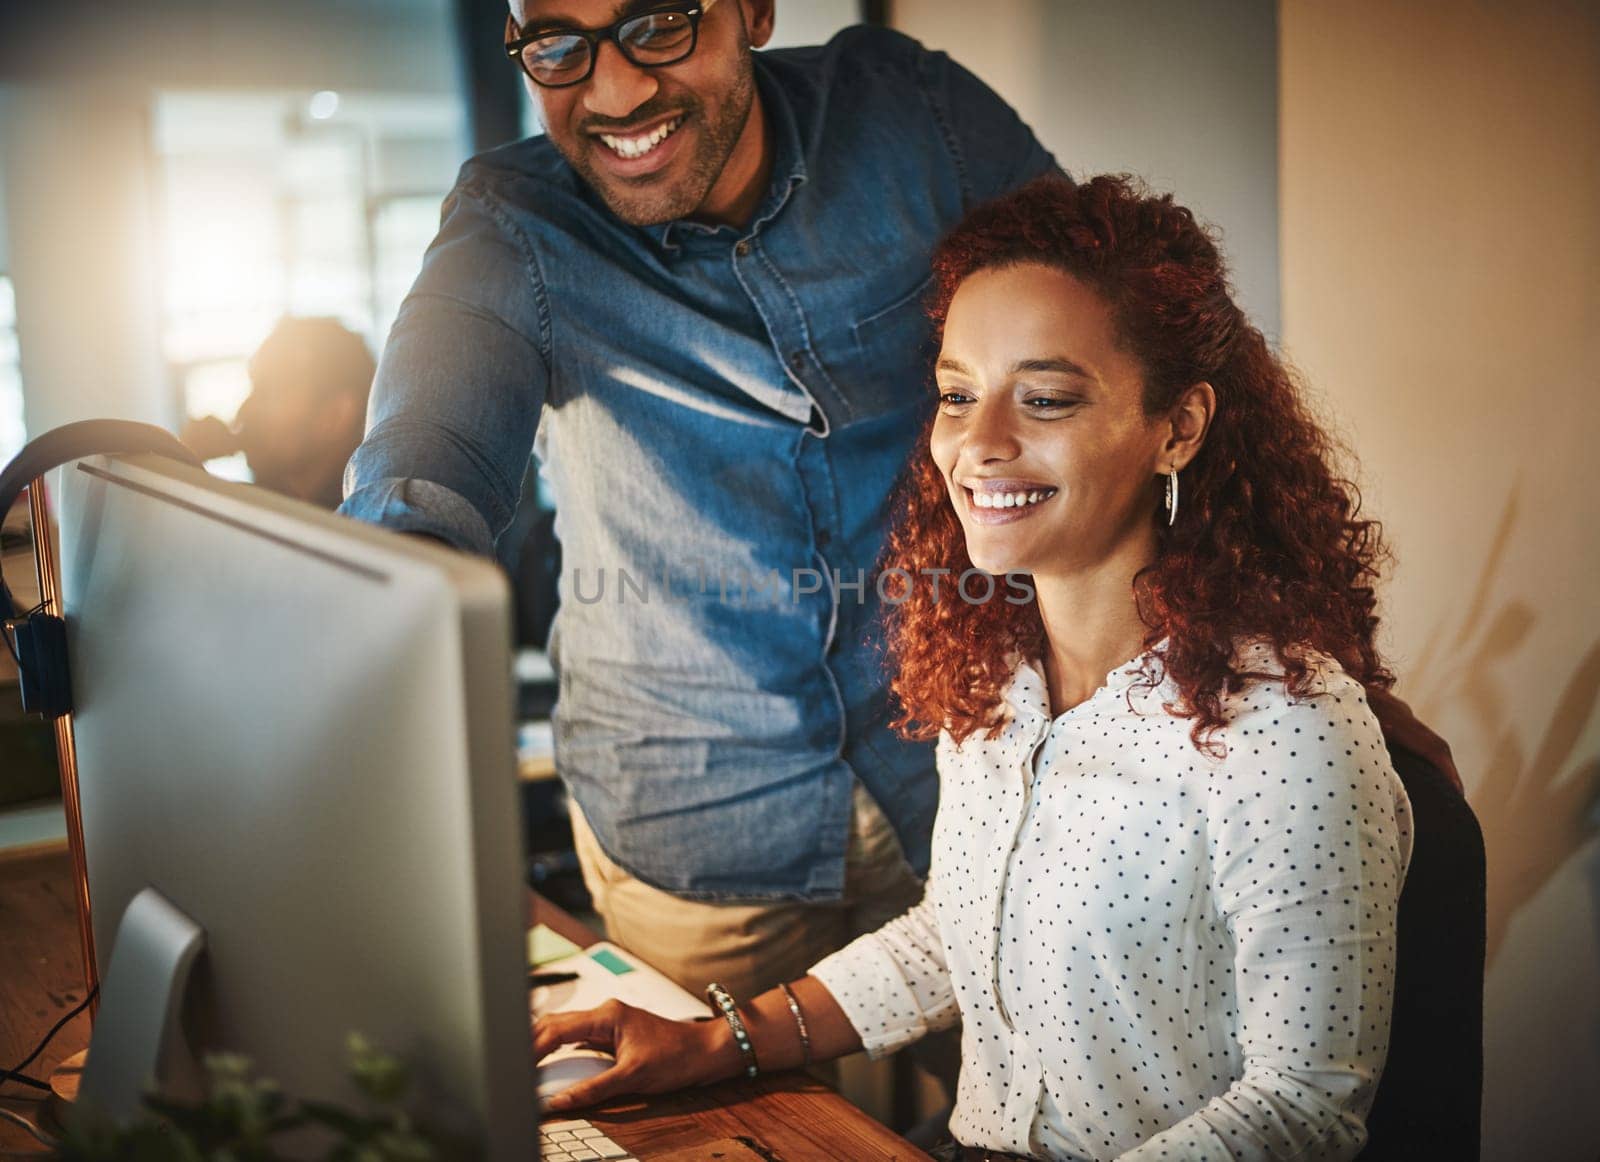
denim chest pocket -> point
(891, 353)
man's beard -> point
(644, 203)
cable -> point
(37, 1134)
(15, 1072)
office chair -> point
(1430, 1097)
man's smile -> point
(638, 143)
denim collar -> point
(788, 169)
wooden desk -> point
(790, 1115)
(41, 974)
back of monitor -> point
(299, 731)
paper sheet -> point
(606, 971)
(546, 944)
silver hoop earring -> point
(1172, 496)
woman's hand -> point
(654, 1055)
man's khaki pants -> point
(749, 948)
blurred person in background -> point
(309, 382)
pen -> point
(539, 979)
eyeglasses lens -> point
(654, 38)
(657, 38)
(556, 60)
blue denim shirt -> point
(721, 415)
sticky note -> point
(546, 945)
(610, 961)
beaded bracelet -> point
(722, 1002)
(799, 1023)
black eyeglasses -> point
(558, 57)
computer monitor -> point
(298, 731)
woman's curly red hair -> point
(1268, 545)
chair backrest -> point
(1429, 1100)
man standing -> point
(697, 299)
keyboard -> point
(578, 1141)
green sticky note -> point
(610, 961)
(546, 945)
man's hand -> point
(654, 1055)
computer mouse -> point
(569, 1065)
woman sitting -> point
(1170, 844)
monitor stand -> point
(138, 1043)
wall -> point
(802, 22)
(82, 257)
(1185, 95)
(1441, 174)
(81, 187)
(235, 44)
(5, 257)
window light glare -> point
(324, 105)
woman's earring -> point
(1172, 496)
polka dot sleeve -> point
(1308, 837)
(893, 984)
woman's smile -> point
(998, 502)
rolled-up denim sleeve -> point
(994, 150)
(460, 385)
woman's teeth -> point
(1010, 499)
(631, 147)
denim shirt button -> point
(824, 538)
(742, 249)
(797, 362)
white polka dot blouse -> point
(1154, 953)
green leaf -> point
(351, 1125)
(381, 1076)
(241, 1115)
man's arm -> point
(459, 387)
(993, 148)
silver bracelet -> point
(722, 1002)
(799, 1023)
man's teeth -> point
(631, 147)
(1011, 499)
